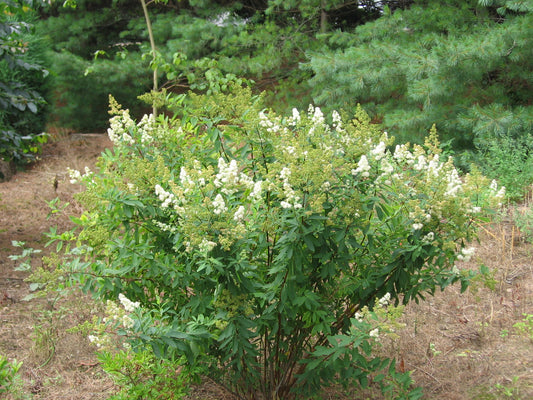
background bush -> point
(23, 84)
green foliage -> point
(201, 45)
(267, 248)
(139, 375)
(82, 88)
(510, 160)
(24, 259)
(453, 64)
(525, 327)
(8, 374)
(22, 84)
(523, 219)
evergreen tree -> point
(465, 66)
(201, 45)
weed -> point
(23, 259)
(510, 391)
(523, 219)
(142, 375)
(9, 377)
(525, 327)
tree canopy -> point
(465, 66)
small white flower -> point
(75, 175)
(285, 173)
(362, 167)
(387, 167)
(421, 163)
(417, 226)
(374, 333)
(295, 115)
(128, 305)
(239, 214)
(455, 270)
(290, 150)
(206, 245)
(256, 191)
(430, 237)
(379, 151)
(127, 322)
(165, 197)
(336, 117)
(466, 254)
(219, 204)
(358, 316)
(285, 204)
(384, 301)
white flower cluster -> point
(120, 128)
(266, 122)
(363, 167)
(165, 227)
(99, 341)
(239, 214)
(454, 183)
(385, 300)
(420, 216)
(77, 177)
(206, 246)
(374, 333)
(219, 205)
(379, 151)
(428, 238)
(256, 190)
(295, 118)
(316, 115)
(498, 194)
(417, 226)
(229, 179)
(147, 127)
(337, 121)
(116, 314)
(403, 155)
(165, 197)
(466, 254)
(129, 306)
(291, 199)
(186, 180)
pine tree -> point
(465, 66)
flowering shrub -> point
(273, 250)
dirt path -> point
(56, 365)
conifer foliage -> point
(465, 66)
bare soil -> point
(458, 346)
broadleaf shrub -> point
(23, 85)
(272, 250)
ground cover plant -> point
(271, 252)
